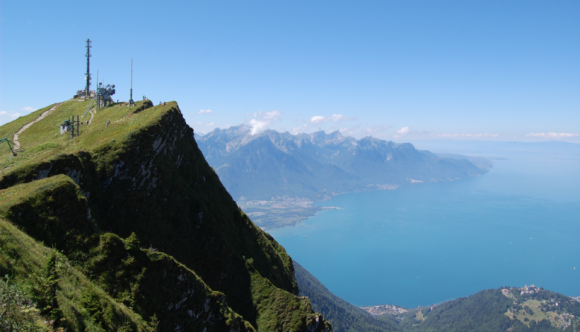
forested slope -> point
(488, 310)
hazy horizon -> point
(399, 71)
(426, 243)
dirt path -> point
(26, 126)
(92, 114)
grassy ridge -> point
(43, 139)
(143, 180)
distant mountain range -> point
(275, 165)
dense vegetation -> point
(484, 311)
(127, 228)
(488, 310)
(57, 289)
(19, 313)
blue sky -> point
(400, 70)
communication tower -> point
(131, 102)
(88, 74)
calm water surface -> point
(431, 242)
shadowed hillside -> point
(133, 212)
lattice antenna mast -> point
(88, 74)
(131, 102)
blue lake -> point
(430, 242)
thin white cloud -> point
(262, 120)
(10, 114)
(374, 129)
(7, 116)
(336, 117)
(552, 135)
(28, 109)
(349, 131)
(209, 124)
(299, 130)
(317, 119)
(333, 118)
(401, 132)
(467, 135)
(205, 112)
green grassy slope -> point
(26, 260)
(19, 312)
(144, 174)
(53, 211)
(484, 311)
(488, 310)
(343, 315)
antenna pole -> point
(88, 74)
(97, 90)
(131, 98)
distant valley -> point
(276, 176)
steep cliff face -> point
(54, 211)
(192, 246)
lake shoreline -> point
(432, 242)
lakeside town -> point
(540, 308)
(377, 310)
(531, 304)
